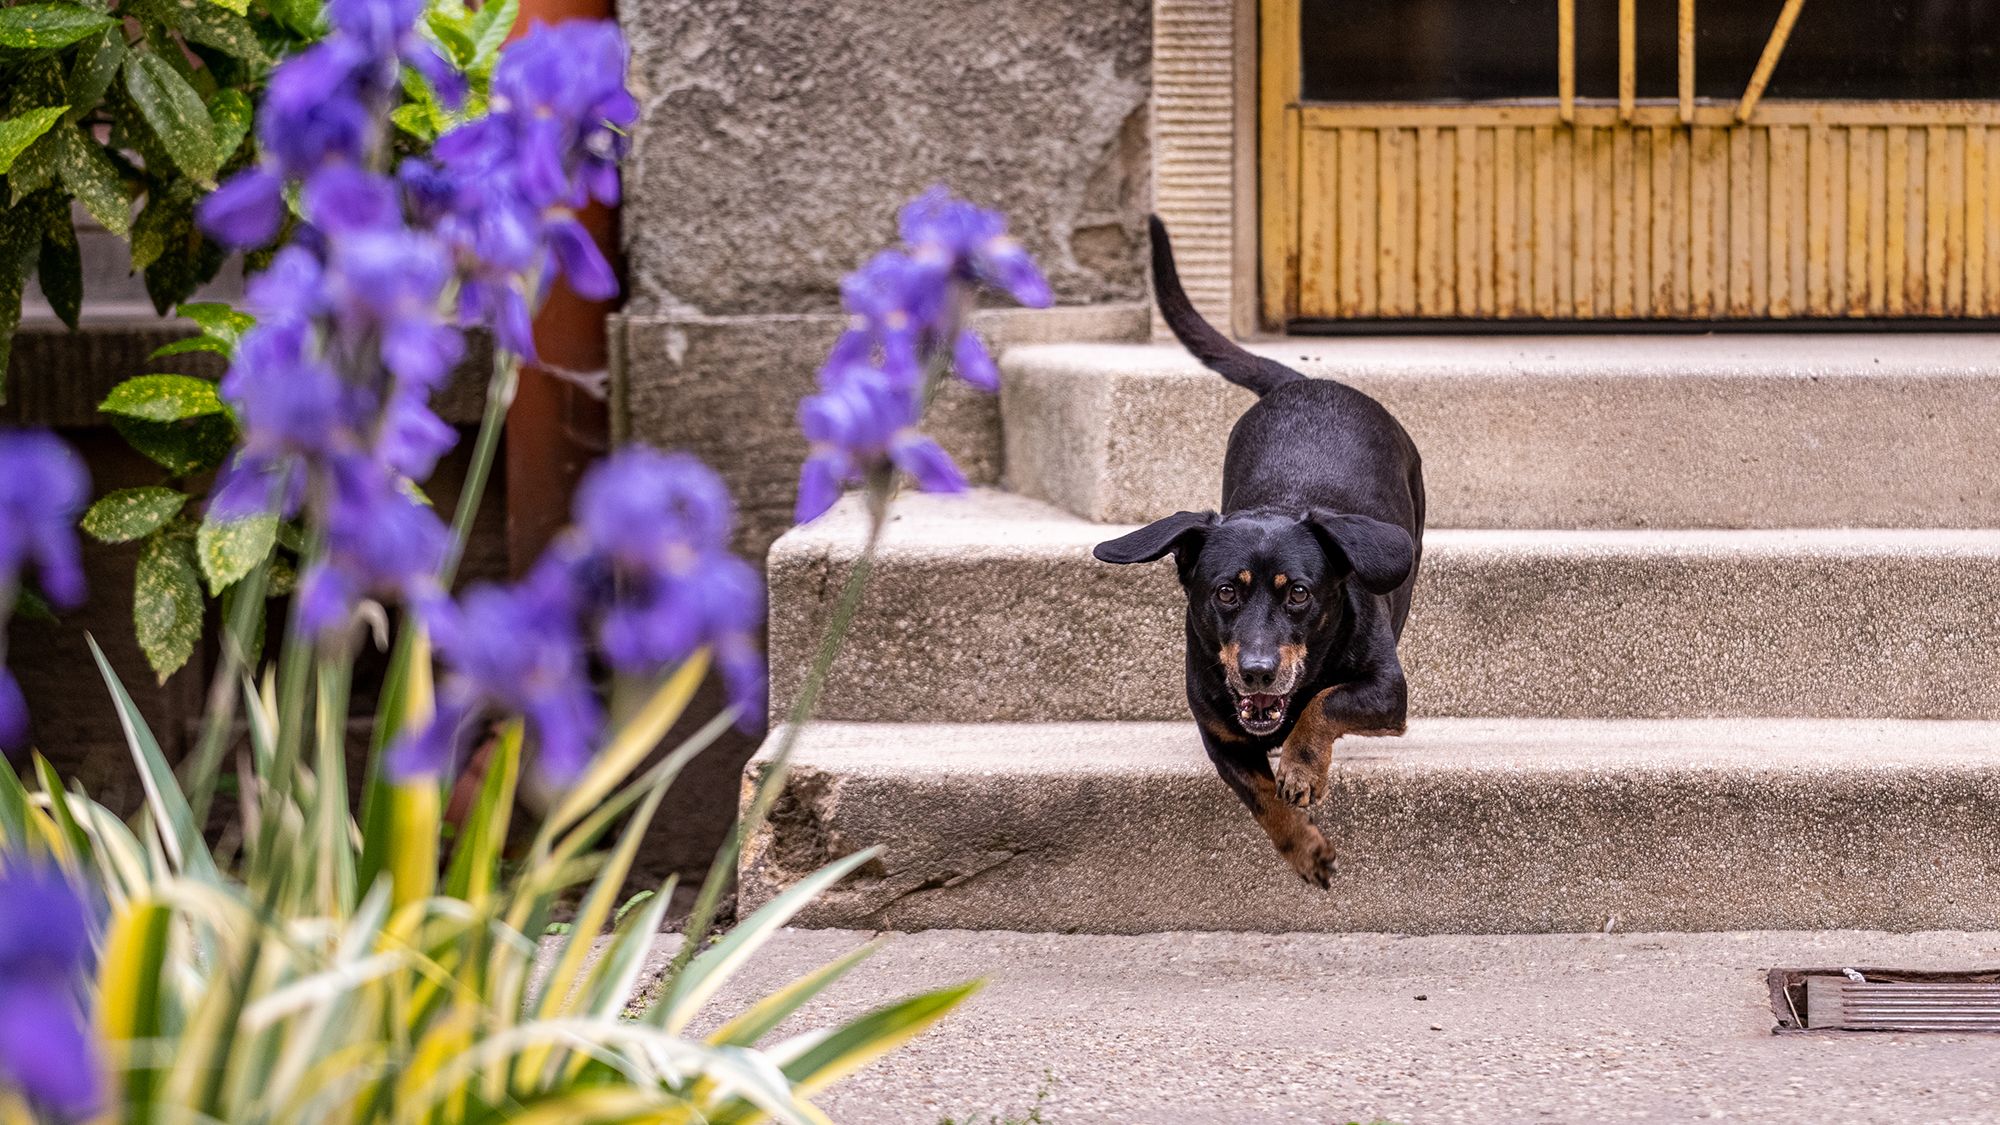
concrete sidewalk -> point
(1189, 1028)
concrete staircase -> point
(1707, 637)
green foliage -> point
(17, 133)
(230, 549)
(184, 426)
(163, 398)
(472, 41)
(175, 127)
(132, 513)
(46, 27)
(172, 107)
(166, 600)
(282, 980)
(112, 103)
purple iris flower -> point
(504, 186)
(651, 547)
(323, 110)
(908, 306)
(645, 571)
(43, 488)
(386, 285)
(246, 210)
(974, 244)
(379, 540)
(46, 1051)
(563, 90)
(512, 650)
(315, 109)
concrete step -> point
(1313, 1029)
(988, 607)
(1461, 826)
(1727, 431)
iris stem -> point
(773, 782)
(499, 396)
(880, 490)
(246, 610)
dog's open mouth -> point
(1260, 714)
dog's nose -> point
(1258, 671)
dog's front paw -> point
(1301, 783)
(1312, 857)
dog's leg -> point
(1295, 836)
(1375, 705)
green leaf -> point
(90, 75)
(757, 1021)
(93, 179)
(453, 34)
(232, 112)
(240, 7)
(35, 168)
(60, 270)
(59, 809)
(227, 32)
(218, 319)
(13, 808)
(181, 448)
(17, 133)
(301, 16)
(229, 549)
(131, 513)
(174, 111)
(192, 344)
(163, 398)
(491, 26)
(232, 608)
(165, 216)
(415, 120)
(833, 1056)
(20, 243)
(44, 27)
(166, 603)
(189, 261)
(712, 968)
(169, 806)
(34, 607)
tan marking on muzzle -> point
(1229, 654)
(1291, 663)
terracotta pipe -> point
(555, 427)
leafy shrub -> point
(104, 102)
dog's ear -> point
(1181, 533)
(1380, 555)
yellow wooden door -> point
(1617, 209)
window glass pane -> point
(1483, 50)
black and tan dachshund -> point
(1297, 591)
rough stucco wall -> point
(777, 138)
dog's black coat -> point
(1321, 486)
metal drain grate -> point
(1885, 1000)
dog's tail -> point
(1198, 336)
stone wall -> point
(776, 139)
(775, 142)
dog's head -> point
(1267, 592)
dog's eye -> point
(1226, 595)
(1297, 596)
